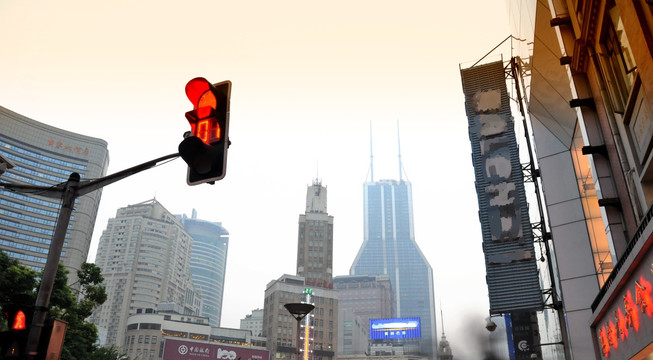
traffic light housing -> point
(205, 151)
(13, 339)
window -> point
(140, 339)
(616, 62)
(594, 220)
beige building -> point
(144, 255)
(279, 327)
(361, 298)
(315, 240)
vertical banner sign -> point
(510, 260)
(524, 335)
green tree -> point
(81, 335)
(16, 280)
(67, 304)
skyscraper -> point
(144, 254)
(44, 155)
(389, 248)
(313, 283)
(208, 263)
(315, 241)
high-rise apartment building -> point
(315, 242)
(144, 254)
(208, 263)
(44, 155)
(389, 248)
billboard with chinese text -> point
(178, 349)
(398, 328)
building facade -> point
(589, 74)
(280, 328)
(368, 296)
(361, 298)
(353, 333)
(149, 329)
(253, 322)
(44, 155)
(208, 263)
(389, 248)
(144, 254)
(315, 239)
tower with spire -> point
(444, 350)
(389, 248)
(315, 239)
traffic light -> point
(205, 151)
(13, 339)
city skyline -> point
(308, 78)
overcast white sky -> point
(308, 78)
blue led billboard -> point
(398, 328)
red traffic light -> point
(206, 151)
(201, 95)
(19, 321)
(209, 117)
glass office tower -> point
(390, 249)
(208, 263)
(44, 155)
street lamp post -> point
(299, 312)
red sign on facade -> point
(192, 350)
(626, 322)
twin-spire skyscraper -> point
(389, 248)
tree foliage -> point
(72, 305)
(16, 280)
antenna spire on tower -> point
(371, 156)
(399, 151)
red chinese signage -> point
(617, 329)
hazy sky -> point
(308, 79)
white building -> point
(253, 322)
(144, 255)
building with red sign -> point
(587, 70)
(44, 155)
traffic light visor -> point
(200, 93)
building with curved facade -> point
(44, 155)
(208, 263)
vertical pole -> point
(298, 330)
(51, 265)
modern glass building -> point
(208, 263)
(44, 155)
(390, 249)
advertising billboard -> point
(175, 349)
(510, 259)
(398, 328)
